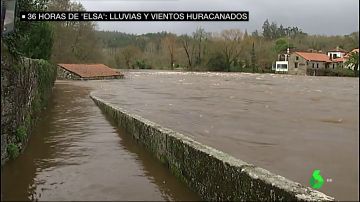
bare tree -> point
(169, 43)
(129, 53)
(74, 41)
(231, 48)
(189, 47)
(200, 36)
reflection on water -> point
(76, 154)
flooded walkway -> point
(289, 125)
(75, 153)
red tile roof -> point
(90, 70)
(339, 60)
(320, 57)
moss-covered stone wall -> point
(26, 85)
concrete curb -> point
(213, 174)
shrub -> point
(141, 64)
(13, 150)
(217, 63)
(332, 72)
(339, 72)
(21, 133)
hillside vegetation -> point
(228, 50)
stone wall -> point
(214, 175)
(302, 65)
(63, 74)
(25, 87)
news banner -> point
(136, 16)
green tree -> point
(266, 29)
(281, 45)
(253, 58)
(281, 31)
(255, 34)
(273, 31)
(30, 39)
(217, 62)
(353, 62)
(38, 44)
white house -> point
(281, 66)
(336, 53)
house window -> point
(313, 65)
(333, 66)
(317, 65)
(296, 65)
(297, 57)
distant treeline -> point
(229, 50)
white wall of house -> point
(335, 53)
(282, 66)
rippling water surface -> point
(289, 125)
(75, 153)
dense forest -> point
(228, 50)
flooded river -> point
(75, 153)
(290, 125)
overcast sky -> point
(329, 17)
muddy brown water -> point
(289, 125)
(75, 153)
